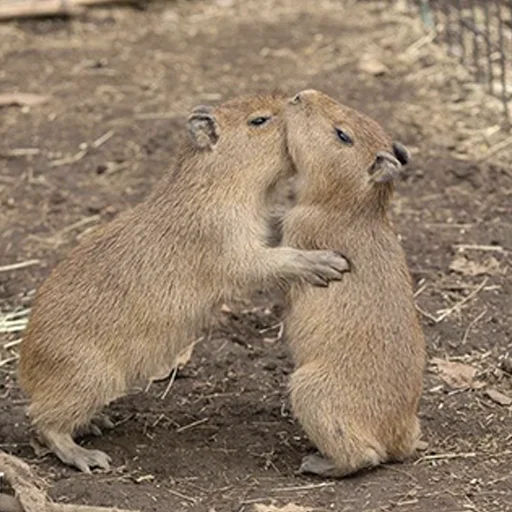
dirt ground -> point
(120, 82)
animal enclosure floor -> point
(119, 83)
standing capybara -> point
(358, 346)
(129, 300)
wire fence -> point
(479, 34)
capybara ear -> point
(203, 129)
(202, 109)
(402, 154)
(385, 168)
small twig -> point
(20, 152)
(278, 335)
(419, 43)
(12, 344)
(495, 149)
(215, 395)
(183, 496)
(104, 138)
(20, 265)
(16, 314)
(15, 321)
(191, 425)
(113, 167)
(155, 115)
(31, 8)
(271, 328)
(13, 326)
(12, 504)
(446, 456)
(490, 248)
(61, 507)
(9, 360)
(457, 306)
(171, 381)
(447, 225)
(303, 487)
(35, 8)
(401, 471)
(29, 492)
(420, 290)
(79, 224)
(157, 421)
(426, 314)
(472, 324)
(57, 238)
(69, 159)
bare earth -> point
(120, 82)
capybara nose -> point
(296, 99)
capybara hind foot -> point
(317, 464)
(71, 454)
(95, 426)
(420, 446)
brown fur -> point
(280, 199)
(358, 345)
(128, 302)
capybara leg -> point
(70, 453)
(88, 430)
(317, 405)
(420, 446)
(345, 465)
(408, 441)
(319, 465)
(103, 421)
(315, 267)
(185, 356)
(95, 427)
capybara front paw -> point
(326, 266)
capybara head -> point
(246, 133)
(342, 147)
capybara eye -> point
(344, 137)
(258, 121)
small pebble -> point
(506, 365)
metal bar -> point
(461, 32)
(510, 27)
(447, 24)
(483, 30)
(504, 92)
(433, 10)
(487, 39)
(476, 30)
(476, 50)
(426, 14)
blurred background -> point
(93, 98)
